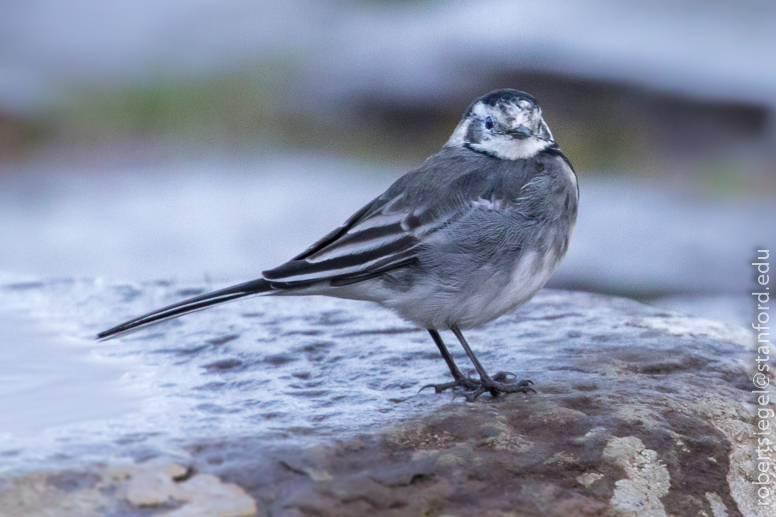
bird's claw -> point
(507, 377)
(502, 382)
(496, 388)
(464, 382)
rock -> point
(638, 412)
(127, 488)
(153, 482)
(206, 496)
(643, 414)
(647, 478)
(36, 495)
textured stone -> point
(159, 485)
(645, 414)
(646, 481)
(153, 482)
(638, 412)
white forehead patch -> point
(519, 116)
(481, 110)
(522, 114)
(509, 115)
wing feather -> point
(391, 230)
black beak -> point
(520, 133)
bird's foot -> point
(496, 386)
(464, 382)
(469, 384)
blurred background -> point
(204, 141)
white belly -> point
(493, 299)
(432, 306)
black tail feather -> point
(192, 304)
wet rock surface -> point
(638, 411)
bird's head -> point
(506, 124)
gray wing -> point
(390, 231)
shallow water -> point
(300, 369)
(48, 380)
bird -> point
(470, 235)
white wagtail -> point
(469, 236)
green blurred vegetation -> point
(257, 109)
(233, 105)
(18, 135)
(600, 146)
(248, 109)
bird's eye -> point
(489, 123)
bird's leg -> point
(460, 378)
(446, 355)
(495, 384)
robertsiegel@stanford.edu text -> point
(765, 474)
